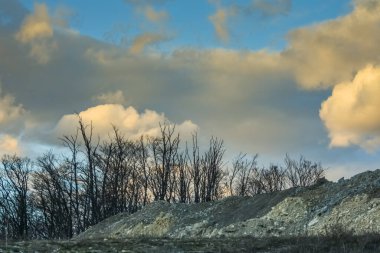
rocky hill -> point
(352, 205)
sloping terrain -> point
(351, 205)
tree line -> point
(61, 195)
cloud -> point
(8, 110)
(220, 22)
(36, 26)
(270, 8)
(128, 120)
(116, 97)
(145, 2)
(153, 15)
(158, 31)
(326, 54)
(351, 114)
(249, 98)
(144, 40)
(146, 8)
(264, 8)
(9, 145)
(12, 13)
(37, 31)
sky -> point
(272, 77)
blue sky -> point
(189, 23)
(268, 76)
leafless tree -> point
(90, 150)
(212, 168)
(241, 175)
(272, 179)
(195, 168)
(54, 196)
(15, 194)
(73, 164)
(183, 178)
(302, 172)
(164, 150)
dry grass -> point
(342, 242)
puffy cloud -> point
(9, 145)
(351, 113)
(116, 97)
(128, 120)
(249, 98)
(144, 40)
(329, 53)
(36, 26)
(37, 31)
(8, 110)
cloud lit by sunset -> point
(268, 77)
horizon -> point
(268, 77)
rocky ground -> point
(327, 217)
(351, 205)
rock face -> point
(352, 205)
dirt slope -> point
(353, 205)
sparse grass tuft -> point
(336, 241)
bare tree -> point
(142, 154)
(184, 178)
(54, 196)
(272, 179)
(90, 150)
(74, 166)
(302, 172)
(212, 163)
(15, 194)
(195, 168)
(164, 150)
(243, 169)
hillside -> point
(352, 205)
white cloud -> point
(144, 40)
(128, 120)
(224, 14)
(328, 53)
(9, 145)
(116, 97)
(220, 21)
(37, 31)
(351, 113)
(8, 110)
(249, 98)
(36, 26)
(154, 16)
